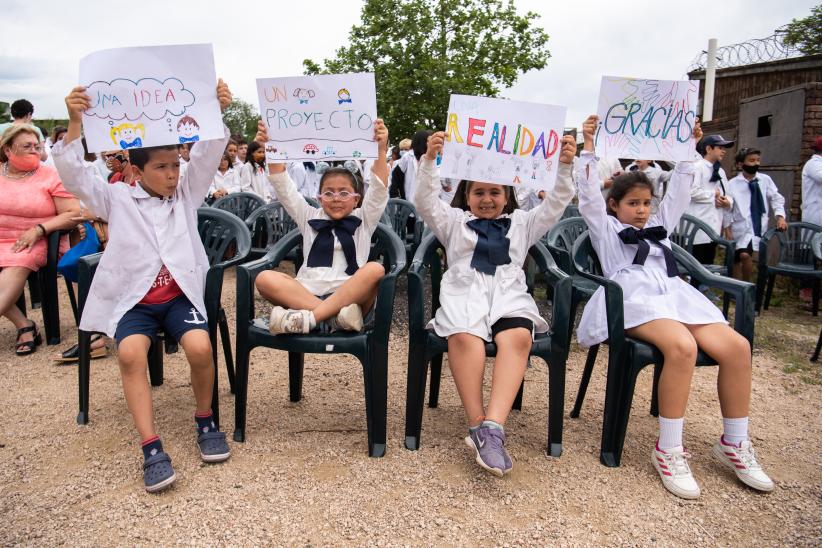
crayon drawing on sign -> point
(501, 141)
(150, 96)
(646, 119)
(325, 117)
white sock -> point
(670, 432)
(312, 321)
(735, 430)
(492, 424)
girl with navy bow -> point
(484, 296)
(662, 309)
(336, 282)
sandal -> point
(28, 347)
(73, 354)
(157, 472)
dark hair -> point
(460, 200)
(623, 184)
(395, 153)
(58, 130)
(419, 143)
(230, 142)
(241, 141)
(139, 157)
(87, 156)
(310, 166)
(743, 153)
(356, 180)
(227, 158)
(253, 146)
(21, 108)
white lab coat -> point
(740, 218)
(812, 190)
(703, 197)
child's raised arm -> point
(546, 215)
(380, 167)
(436, 213)
(286, 190)
(376, 197)
(680, 190)
(592, 205)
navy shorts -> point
(175, 318)
(504, 324)
(738, 253)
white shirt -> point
(527, 198)
(703, 196)
(224, 181)
(322, 280)
(253, 179)
(812, 190)
(298, 174)
(145, 233)
(741, 225)
(408, 165)
(606, 167)
(101, 166)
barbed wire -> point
(756, 50)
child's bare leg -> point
(746, 266)
(733, 353)
(678, 346)
(197, 347)
(361, 288)
(513, 347)
(283, 290)
(466, 358)
(132, 355)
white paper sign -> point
(150, 96)
(500, 141)
(322, 117)
(646, 119)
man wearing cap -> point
(708, 196)
(812, 186)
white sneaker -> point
(289, 321)
(742, 460)
(349, 318)
(672, 465)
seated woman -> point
(34, 204)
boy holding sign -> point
(152, 274)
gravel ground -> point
(303, 476)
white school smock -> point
(409, 166)
(322, 280)
(741, 225)
(472, 301)
(703, 198)
(145, 233)
(253, 179)
(648, 292)
(224, 181)
(812, 190)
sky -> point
(42, 42)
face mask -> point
(750, 170)
(24, 162)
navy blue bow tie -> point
(654, 234)
(492, 244)
(322, 250)
(757, 206)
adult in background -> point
(812, 197)
(34, 205)
(403, 178)
(22, 111)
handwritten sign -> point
(150, 96)
(500, 141)
(324, 117)
(646, 119)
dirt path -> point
(303, 476)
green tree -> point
(241, 118)
(806, 33)
(421, 52)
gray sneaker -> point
(489, 445)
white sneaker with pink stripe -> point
(742, 460)
(672, 465)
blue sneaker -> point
(157, 472)
(213, 447)
(489, 445)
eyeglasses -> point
(342, 196)
(28, 147)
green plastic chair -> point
(397, 213)
(796, 260)
(369, 346)
(43, 291)
(268, 224)
(426, 347)
(628, 356)
(241, 204)
(816, 245)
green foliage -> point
(241, 118)
(806, 33)
(421, 52)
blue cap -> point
(716, 141)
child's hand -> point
(76, 102)
(223, 95)
(569, 150)
(381, 136)
(435, 143)
(781, 225)
(589, 128)
(262, 138)
(697, 130)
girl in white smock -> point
(662, 309)
(483, 295)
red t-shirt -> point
(163, 289)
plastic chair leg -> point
(51, 308)
(155, 361)
(376, 390)
(556, 404)
(768, 291)
(815, 297)
(815, 356)
(517, 405)
(241, 389)
(73, 300)
(726, 304)
(617, 371)
(225, 336)
(296, 363)
(586, 378)
(655, 390)
(611, 455)
(436, 374)
(415, 400)
(84, 348)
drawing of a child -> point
(188, 130)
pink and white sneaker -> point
(742, 460)
(672, 465)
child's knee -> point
(132, 355)
(682, 350)
(197, 346)
(266, 281)
(375, 271)
(518, 340)
(741, 348)
(461, 340)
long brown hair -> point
(460, 200)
